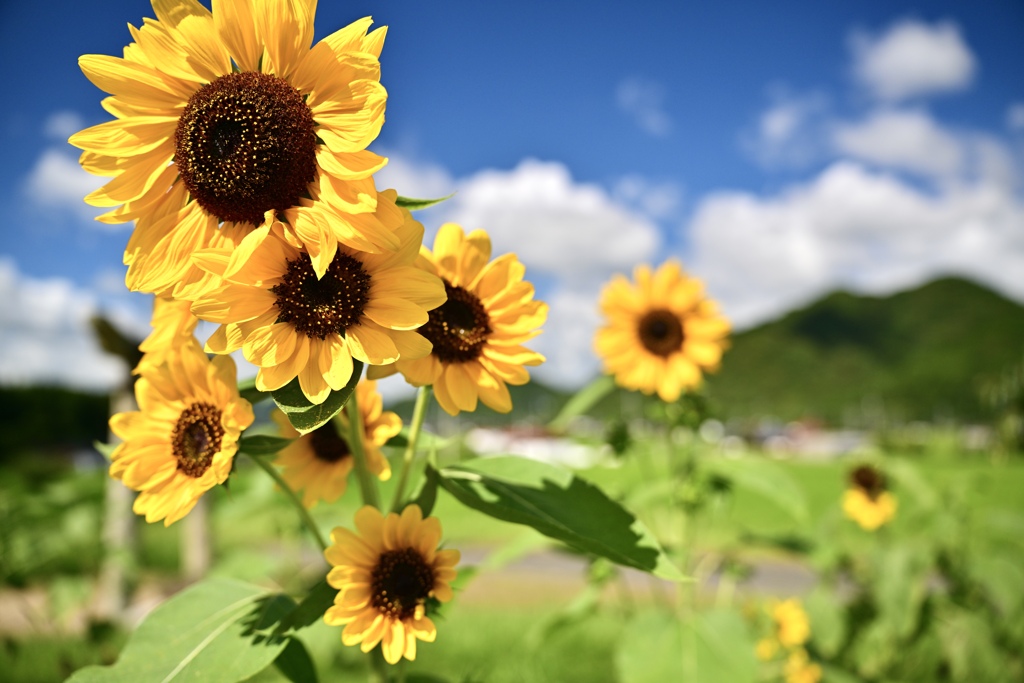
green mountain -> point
(918, 354)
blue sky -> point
(780, 150)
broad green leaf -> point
(247, 390)
(208, 632)
(582, 401)
(764, 478)
(828, 621)
(425, 441)
(310, 610)
(295, 663)
(712, 647)
(415, 204)
(1001, 579)
(262, 444)
(559, 505)
(426, 493)
(306, 416)
(901, 585)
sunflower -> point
(477, 334)
(660, 333)
(387, 575)
(291, 323)
(790, 628)
(173, 326)
(182, 441)
(319, 462)
(799, 668)
(867, 500)
(229, 116)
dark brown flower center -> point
(459, 327)
(196, 438)
(869, 480)
(661, 332)
(326, 306)
(400, 581)
(245, 144)
(327, 444)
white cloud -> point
(909, 140)
(46, 337)
(1015, 116)
(62, 124)
(644, 101)
(789, 132)
(567, 341)
(851, 227)
(57, 184)
(658, 200)
(913, 58)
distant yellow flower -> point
(318, 463)
(173, 326)
(867, 501)
(661, 332)
(792, 627)
(477, 334)
(226, 117)
(291, 323)
(799, 668)
(387, 574)
(766, 648)
(182, 441)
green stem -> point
(293, 497)
(378, 667)
(367, 485)
(418, 414)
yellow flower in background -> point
(225, 117)
(173, 327)
(291, 323)
(867, 501)
(792, 627)
(477, 334)
(660, 333)
(799, 669)
(318, 463)
(386, 574)
(182, 440)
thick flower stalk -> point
(388, 573)
(479, 332)
(182, 440)
(318, 463)
(226, 117)
(661, 333)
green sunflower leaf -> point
(415, 204)
(763, 478)
(212, 631)
(247, 390)
(295, 664)
(262, 444)
(306, 416)
(559, 505)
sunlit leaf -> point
(306, 416)
(763, 478)
(262, 444)
(415, 204)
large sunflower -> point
(386, 575)
(224, 116)
(477, 334)
(291, 323)
(318, 463)
(867, 501)
(182, 441)
(660, 332)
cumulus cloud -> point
(644, 101)
(909, 140)
(912, 58)
(856, 228)
(46, 338)
(62, 124)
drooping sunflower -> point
(477, 334)
(661, 333)
(867, 500)
(173, 326)
(387, 575)
(318, 463)
(227, 116)
(291, 323)
(182, 440)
